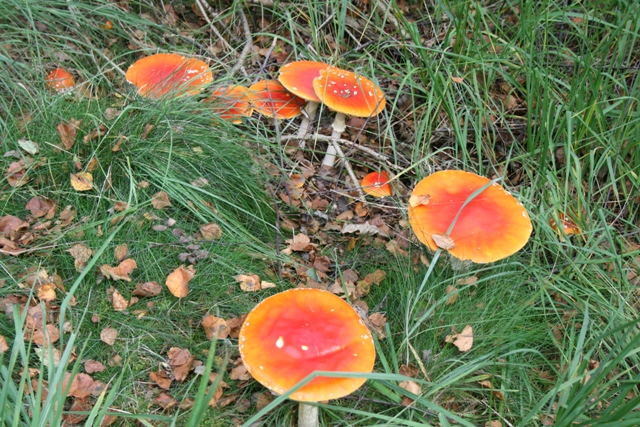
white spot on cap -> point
(261, 367)
(304, 347)
(280, 342)
(355, 354)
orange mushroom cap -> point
(271, 99)
(492, 226)
(168, 73)
(60, 80)
(349, 93)
(377, 184)
(231, 103)
(568, 225)
(298, 77)
(291, 334)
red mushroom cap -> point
(298, 77)
(271, 99)
(168, 73)
(291, 334)
(60, 80)
(377, 184)
(492, 226)
(568, 225)
(349, 93)
(231, 103)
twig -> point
(382, 5)
(367, 150)
(248, 46)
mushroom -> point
(271, 99)
(296, 332)
(485, 228)
(161, 74)
(568, 225)
(231, 103)
(346, 93)
(297, 77)
(60, 80)
(376, 184)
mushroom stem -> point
(338, 126)
(308, 115)
(307, 415)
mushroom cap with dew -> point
(291, 334)
(162, 74)
(349, 93)
(376, 184)
(492, 226)
(271, 99)
(60, 80)
(231, 103)
(298, 78)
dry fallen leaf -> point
(46, 336)
(248, 282)
(443, 241)
(91, 366)
(67, 132)
(108, 335)
(28, 146)
(180, 360)
(463, 340)
(215, 327)
(82, 181)
(40, 207)
(47, 292)
(365, 228)
(177, 281)
(457, 79)
(81, 254)
(121, 252)
(411, 387)
(211, 231)
(121, 272)
(3, 344)
(452, 291)
(161, 379)
(17, 173)
(119, 302)
(160, 200)
(147, 289)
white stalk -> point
(338, 126)
(308, 415)
(307, 117)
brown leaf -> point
(457, 79)
(121, 252)
(81, 254)
(411, 387)
(178, 280)
(119, 302)
(180, 361)
(165, 401)
(82, 181)
(67, 132)
(39, 207)
(240, 372)
(470, 280)
(147, 289)
(95, 134)
(419, 200)
(452, 291)
(91, 366)
(75, 415)
(160, 200)
(378, 321)
(211, 231)
(10, 225)
(463, 340)
(17, 173)
(47, 292)
(263, 399)
(3, 344)
(248, 283)
(46, 336)
(443, 241)
(300, 243)
(108, 335)
(121, 272)
(487, 384)
(161, 379)
(215, 327)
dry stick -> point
(382, 5)
(367, 150)
(248, 47)
(347, 166)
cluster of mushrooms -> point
(294, 333)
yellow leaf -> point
(82, 181)
(463, 340)
(121, 272)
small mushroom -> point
(376, 184)
(297, 77)
(569, 226)
(296, 332)
(490, 226)
(346, 93)
(162, 74)
(230, 103)
(271, 99)
(60, 80)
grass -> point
(542, 95)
